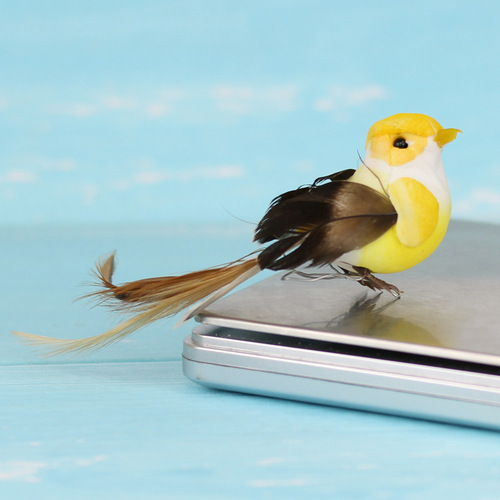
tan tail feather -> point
(199, 306)
(138, 295)
(105, 270)
(180, 292)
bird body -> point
(414, 179)
(387, 216)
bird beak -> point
(446, 135)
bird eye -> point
(400, 143)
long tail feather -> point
(151, 299)
(198, 307)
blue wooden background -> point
(145, 127)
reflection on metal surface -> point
(368, 318)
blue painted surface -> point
(125, 423)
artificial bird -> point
(386, 216)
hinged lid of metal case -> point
(434, 353)
(450, 306)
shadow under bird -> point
(384, 217)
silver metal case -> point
(433, 354)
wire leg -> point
(360, 274)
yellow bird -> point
(386, 216)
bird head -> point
(401, 138)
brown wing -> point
(319, 223)
(301, 208)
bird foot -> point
(364, 277)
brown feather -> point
(318, 224)
(154, 298)
(137, 295)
